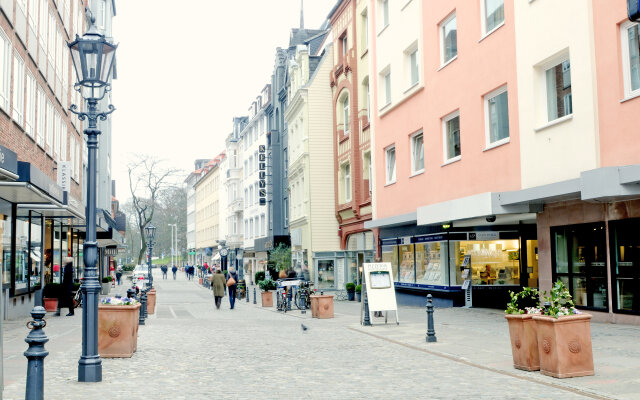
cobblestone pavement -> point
(189, 350)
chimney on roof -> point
(301, 14)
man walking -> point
(164, 272)
(66, 298)
(118, 275)
(174, 269)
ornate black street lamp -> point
(150, 232)
(93, 62)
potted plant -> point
(281, 258)
(564, 336)
(259, 276)
(351, 291)
(106, 284)
(522, 329)
(267, 297)
(118, 326)
(358, 290)
(50, 295)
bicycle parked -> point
(303, 289)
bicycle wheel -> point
(298, 301)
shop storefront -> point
(333, 269)
(496, 262)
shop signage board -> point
(262, 183)
(466, 285)
(380, 291)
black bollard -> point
(146, 302)
(254, 296)
(303, 301)
(246, 292)
(431, 333)
(35, 355)
(143, 303)
(367, 319)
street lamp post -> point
(93, 59)
(150, 232)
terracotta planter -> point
(282, 274)
(151, 301)
(524, 341)
(267, 299)
(564, 345)
(50, 304)
(117, 330)
(322, 306)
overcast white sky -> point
(185, 69)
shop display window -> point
(5, 233)
(390, 255)
(579, 256)
(493, 262)
(431, 263)
(326, 274)
(626, 265)
(407, 265)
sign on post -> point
(381, 293)
(262, 183)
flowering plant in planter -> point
(526, 301)
(560, 302)
(118, 301)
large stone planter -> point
(322, 306)
(117, 330)
(564, 345)
(50, 304)
(267, 299)
(151, 301)
(524, 341)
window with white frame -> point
(32, 98)
(449, 39)
(251, 195)
(256, 192)
(5, 70)
(383, 6)
(251, 228)
(33, 14)
(18, 89)
(451, 127)
(255, 164)
(365, 90)
(346, 173)
(78, 162)
(43, 23)
(413, 64)
(63, 141)
(41, 131)
(246, 169)
(558, 83)
(263, 228)
(257, 225)
(286, 212)
(56, 136)
(630, 40)
(496, 106)
(390, 159)
(364, 29)
(51, 40)
(366, 169)
(417, 153)
(385, 86)
(246, 227)
(493, 14)
(345, 45)
(72, 155)
(345, 114)
(49, 139)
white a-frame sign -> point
(380, 292)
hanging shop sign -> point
(262, 175)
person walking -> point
(174, 269)
(65, 299)
(218, 282)
(119, 275)
(232, 284)
(164, 272)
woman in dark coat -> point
(218, 282)
(232, 289)
(66, 290)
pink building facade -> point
(510, 158)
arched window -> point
(342, 112)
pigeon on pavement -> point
(303, 326)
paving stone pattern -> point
(190, 350)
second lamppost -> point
(93, 61)
(150, 232)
